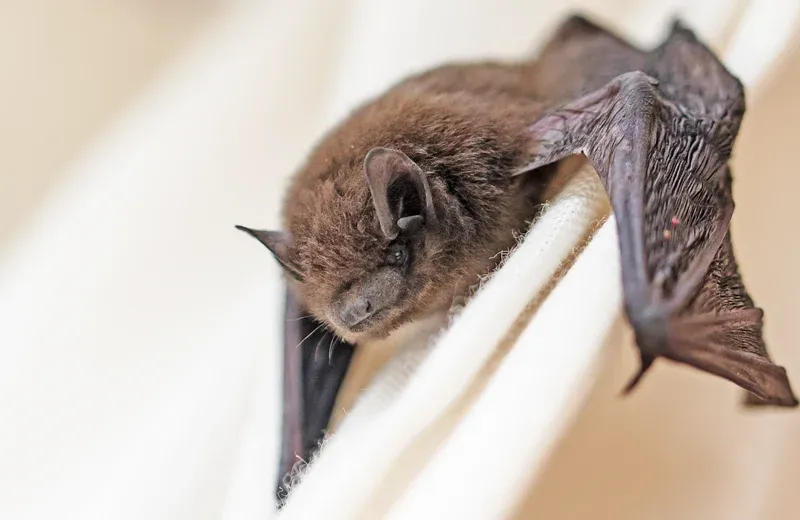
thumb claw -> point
(647, 362)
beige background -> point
(69, 67)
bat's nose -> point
(357, 311)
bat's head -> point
(365, 249)
(399, 209)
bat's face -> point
(363, 249)
(368, 294)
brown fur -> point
(464, 126)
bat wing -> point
(660, 138)
(581, 57)
(315, 363)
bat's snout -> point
(356, 311)
(363, 307)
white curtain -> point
(139, 333)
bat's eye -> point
(397, 255)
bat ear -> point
(400, 192)
(279, 243)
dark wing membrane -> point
(721, 299)
(687, 206)
(688, 200)
(581, 57)
(693, 78)
(712, 293)
(660, 140)
(629, 133)
(718, 345)
(315, 364)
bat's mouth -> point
(377, 327)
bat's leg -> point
(728, 346)
(315, 363)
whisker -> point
(301, 317)
(316, 349)
(334, 340)
(309, 335)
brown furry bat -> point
(406, 202)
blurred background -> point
(136, 377)
(70, 67)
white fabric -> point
(371, 445)
(138, 331)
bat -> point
(401, 208)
